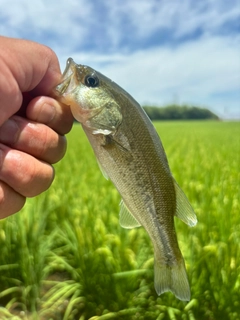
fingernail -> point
(9, 132)
(47, 113)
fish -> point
(130, 153)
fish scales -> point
(142, 176)
(130, 153)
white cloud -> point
(43, 18)
(203, 70)
(192, 73)
(182, 18)
(74, 22)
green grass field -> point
(64, 256)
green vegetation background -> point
(64, 256)
(177, 112)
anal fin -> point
(102, 170)
(184, 210)
(126, 219)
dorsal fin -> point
(126, 219)
(184, 210)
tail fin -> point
(172, 278)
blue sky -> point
(160, 51)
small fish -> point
(130, 153)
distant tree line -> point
(176, 112)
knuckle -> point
(38, 179)
(48, 52)
(10, 201)
(25, 174)
(2, 195)
(51, 147)
(62, 148)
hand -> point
(32, 124)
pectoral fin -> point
(126, 219)
(184, 210)
(102, 170)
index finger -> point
(25, 66)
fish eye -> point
(91, 81)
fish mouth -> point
(70, 67)
(69, 82)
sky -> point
(160, 51)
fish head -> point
(90, 97)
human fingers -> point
(48, 111)
(33, 138)
(34, 66)
(25, 66)
(10, 200)
(23, 173)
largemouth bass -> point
(130, 153)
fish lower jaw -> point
(80, 114)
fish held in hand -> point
(130, 153)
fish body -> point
(130, 153)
